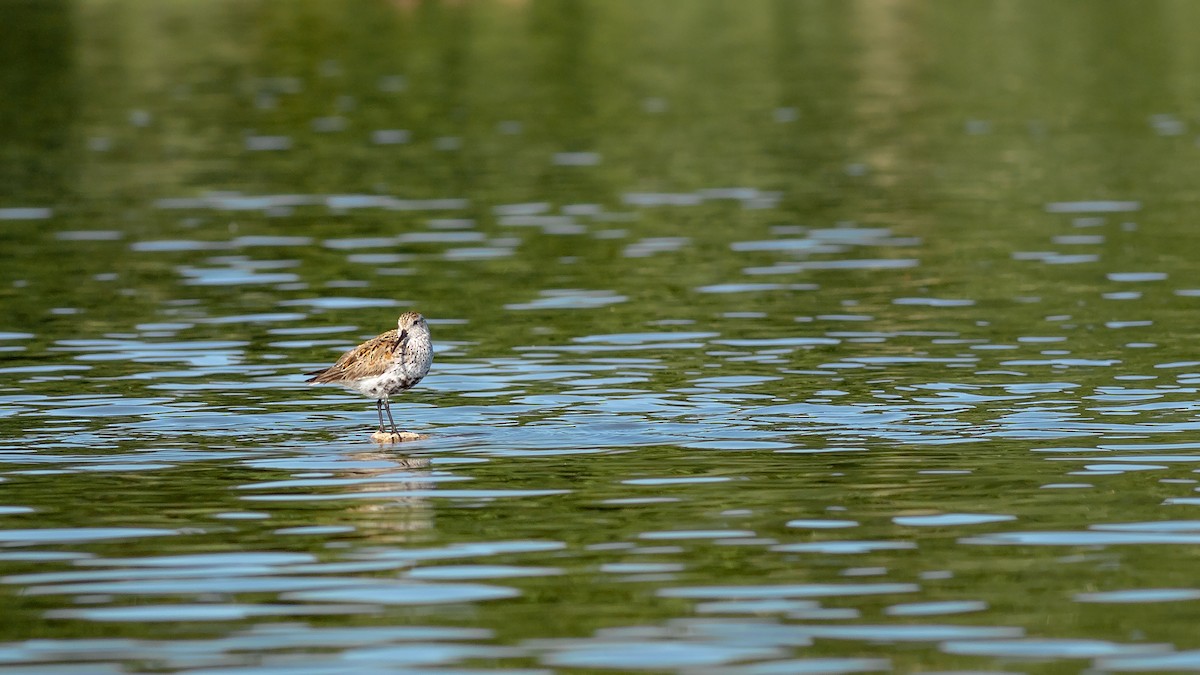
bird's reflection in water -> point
(396, 474)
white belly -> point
(398, 377)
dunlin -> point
(385, 365)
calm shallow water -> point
(777, 338)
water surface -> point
(771, 337)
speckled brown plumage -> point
(366, 360)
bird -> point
(385, 365)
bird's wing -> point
(365, 360)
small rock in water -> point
(384, 437)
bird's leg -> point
(379, 409)
(388, 406)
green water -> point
(772, 337)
